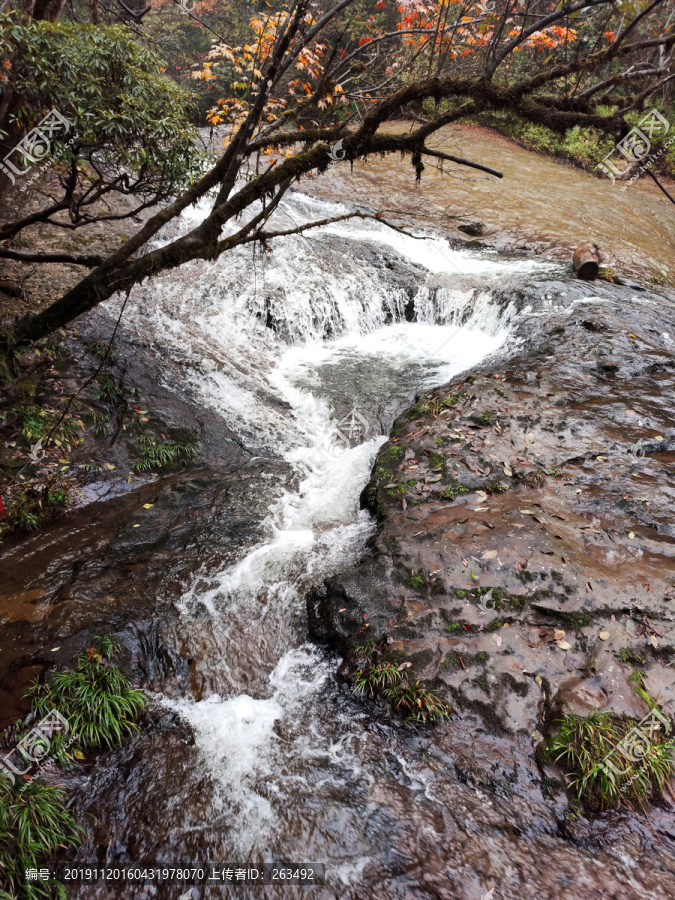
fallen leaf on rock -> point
(508, 470)
(54, 649)
(537, 736)
(558, 634)
(465, 562)
(489, 554)
(564, 645)
(631, 535)
(603, 635)
(148, 505)
(343, 609)
(109, 466)
(482, 495)
(480, 508)
(538, 679)
(653, 641)
(136, 526)
(528, 512)
(498, 638)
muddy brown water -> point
(542, 205)
(252, 749)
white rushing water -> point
(344, 361)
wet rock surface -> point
(524, 559)
(118, 561)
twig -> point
(652, 175)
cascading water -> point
(296, 348)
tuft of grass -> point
(160, 457)
(584, 744)
(34, 825)
(95, 698)
(35, 423)
(98, 348)
(100, 421)
(108, 390)
(378, 677)
(626, 655)
(30, 507)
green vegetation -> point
(109, 391)
(416, 582)
(586, 147)
(127, 116)
(29, 507)
(35, 423)
(95, 698)
(100, 707)
(379, 677)
(161, 457)
(583, 746)
(103, 351)
(454, 490)
(626, 655)
(34, 825)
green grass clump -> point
(626, 655)
(108, 390)
(380, 678)
(35, 423)
(161, 457)
(30, 507)
(103, 351)
(34, 825)
(583, 746)
(95, 698)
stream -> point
(308, 352)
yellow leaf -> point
(136, 526)
(564, 645)
(78, 754)
(148, 505)
(655, 643)
(109, 466)
(631, 535)
(603, 635)
(66, 461)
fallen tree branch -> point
(653, 176)
(462, 162)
